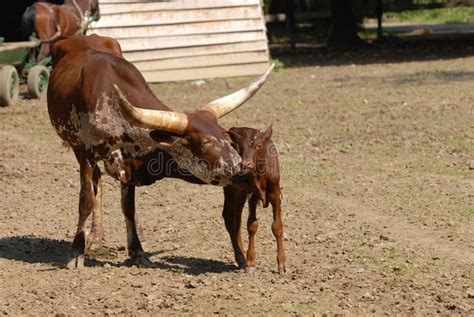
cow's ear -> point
(164, 139)
(268, 132)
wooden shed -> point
(188, 39)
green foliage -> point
(317, 31)
(364, 8)
(278, 64)
(444, 15)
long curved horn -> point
(169, 121)
(222, 106)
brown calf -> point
(260, 163)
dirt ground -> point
(378, 175)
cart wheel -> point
(37, 81)
(9, 85)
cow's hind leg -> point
(96, 236)
(135, 249)
(252, 227)
(86, 206)
(234, 201)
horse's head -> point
(94, 9)
(89, 6)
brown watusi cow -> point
(91, 96)
(260, 163)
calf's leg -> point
(274, 197)
(135, 249)
(234, 201)
(252, 227)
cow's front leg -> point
(86, 206)
(135, 249)
(234, 201)
(96, 236)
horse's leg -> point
(274, 197)
(252, 227)
(44, 51)
(45, 29)
(32, 55)
(86, 206)
(135, 249)
(96, 236)
(234, 200)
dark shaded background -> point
(10, 19)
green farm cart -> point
(15, 68)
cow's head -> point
(195, 139)
(252, 146)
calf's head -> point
(195, 139)
(252, 146)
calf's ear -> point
(234, 139)
(268, 132)
(234, 136)
(227, 137)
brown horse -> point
(49, 22)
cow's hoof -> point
(144, 262)
(251, 269)
(282, 270)
(241, 263)
(75, 262)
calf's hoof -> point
(94, 243)
(251, 269)
(282, 270)
(143, 262)
(75, 262)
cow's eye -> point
(205, 145)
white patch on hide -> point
(114, 166)
(220, 176)
(106, 127)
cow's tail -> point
(28, 22)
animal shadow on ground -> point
(31, 249)
(194, 266)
